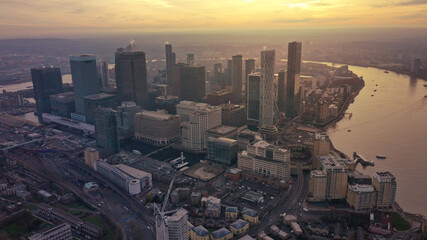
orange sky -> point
(25, 18)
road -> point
(288, 204)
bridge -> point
(6, 149)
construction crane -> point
(159, 213)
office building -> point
(167, 103)
(157, 127)
(126, 117)
(321, 146)
(254, 100)
(105, 76)
(91, 155)
(317, 188)
(107, 136)
(233, 115)
(130, 179)
(62, 104)
(199, 233)
(385, 185)
(281, 91)
(46, 81)
(293, 93)
(236, 78)
(170, 60)
(222, 150)
(217, 98)
(216, 74)
(249, 69)
(177, 225)
(265, 159)
(227, 72)
(84, 74)
(361, 197)
(336, 176)
(94, 101)
(198, 118)
(188, 82)
(58, 232)
(131, 75)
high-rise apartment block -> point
(321, 147)
(46, 81)
(249, 69)
(265, 159)
(385, 185)
(84, 74)
(198, 118)
(336, 172)
(157, 127)
(236, 78)
(176, 227)
(97, 100)
(107, 136)
(293, 93)
(361, 197)
(131, 75)
(317, 188)
(267, 88)
(170, 61)
(281, 91)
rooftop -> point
(201, 231)
(222, 129)
(156, 115)
(99, 96)
(361, 188)
(250, 212)
(230, 209)
(239, 224)
(329, 162)
(220, 233)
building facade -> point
(107, 136)
(46, 81)
(281, 91)
(249, 69)
(131, 75)
(265, 159)
(126, 117)
(254, 99)
(62, 104)
(293, 94)
(58, 232)
(84, 74)
(157, 127)
(267, 88)
(236, 78)
(361, 197)
(94, 101)
(188, 82)
(233, 115)
(222, 150)
(385, 185)
(321, 146)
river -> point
(393, 123)
(66, 78)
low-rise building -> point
(221, 234)
(199, 233)
(250, 215)
(91, 155)
(58, 232)
(231, 213)
(239, 227)
(297, 229)
(213, 207)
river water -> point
(393, 123)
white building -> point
(176, 227)
(198, 118)
(59, 232)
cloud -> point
(314, 20)
(412, 3)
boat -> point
(386, 71)
(372, 95)
(381, 157)
(425, 85)
(375, 90)
(349, 130)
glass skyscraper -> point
(46, 81)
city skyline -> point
(58, 18)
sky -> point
(55, 18)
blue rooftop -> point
(250, 212)
(239, 224)
(201, 231)
(231, 209)
(220, 233)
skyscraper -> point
(236, 78)
(46, 81)
(85, 81)
(188, 82)
(104, 73)
(267, 87)
(107, 136)
(293, 98)
(281, 91)
(170, 60)
(216, 73)
(254, 97)
(190, 59)
(131, 75)
(249, 68)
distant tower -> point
(107, 136)
(254, 97)
(249, 68)
(191, 59)
(228, 72)
(46, 81)
(281, 91)
(131, 75)
(85, 81)
(217, 72)
(104, 73)
(415, 68)
(170, 60)
(236, 78)
(188, 82)
(293, 98)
